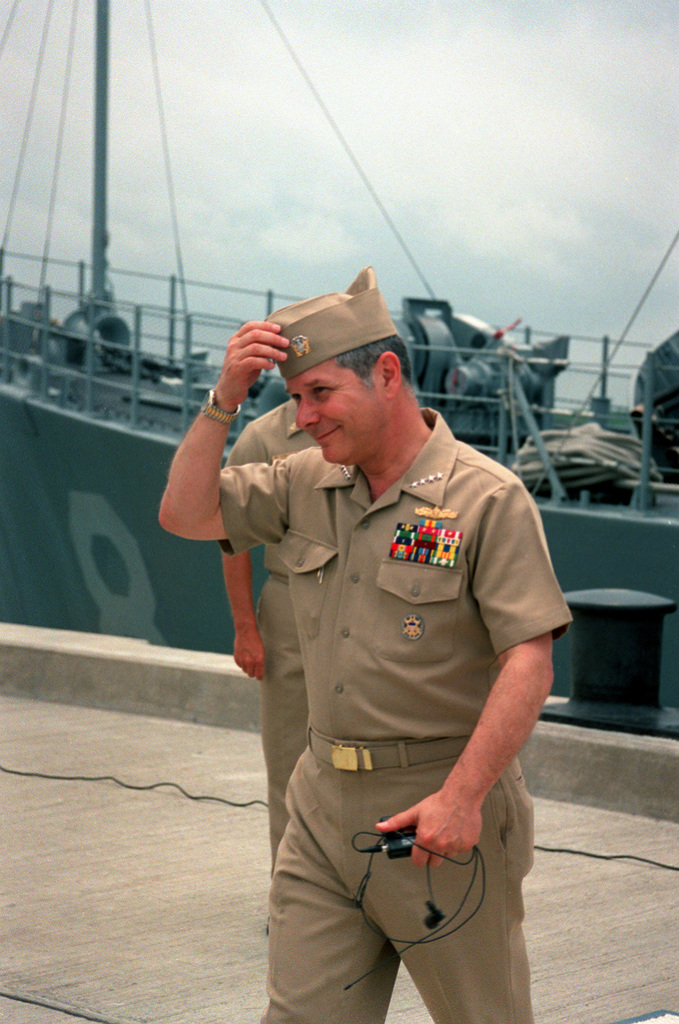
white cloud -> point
(309, 240)
(526, 152)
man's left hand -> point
(444, 827)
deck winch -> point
(463, 367)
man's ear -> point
(387, 372)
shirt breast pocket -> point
(308, 562)
(417, 609)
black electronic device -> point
(399, 843)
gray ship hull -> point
(80, 544)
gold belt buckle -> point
(346, 758)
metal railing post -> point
(44, 340)
(188, 376)
(502, 426)
(604, 367)
(6, 295)
(81, 282)
(136, 367)
(173, 310)
(89, 354)
(644, 497)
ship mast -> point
(100, 153)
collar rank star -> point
(426, 480)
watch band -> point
(210, 409)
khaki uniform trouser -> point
(282, 700)
(319, 941)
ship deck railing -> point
(164, 358)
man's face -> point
(339, 412)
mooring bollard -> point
(615, 654)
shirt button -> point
(365, 524)
(300, 560)
(355, 577)
(415, 590)
(339, 688)
(346, 633)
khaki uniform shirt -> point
(272, 436)
(402, 604)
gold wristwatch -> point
(210, 409)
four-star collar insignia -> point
(426, 480)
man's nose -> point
(306, 414)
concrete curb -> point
(612, 770)
(124, 674)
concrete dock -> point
(139, 905)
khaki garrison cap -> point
(324, 327)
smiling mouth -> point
(321, 438)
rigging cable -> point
(29, 122)
(60, 142)
(166, 153)
(584, 404)
(628, 327)
(8, 25)
(347, 148)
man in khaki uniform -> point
(266, 645)
(426, 606)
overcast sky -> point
(527, 152)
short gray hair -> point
(362, 360)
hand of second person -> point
(248, 651)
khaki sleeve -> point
(511, 571)
(254, 502)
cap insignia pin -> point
(300, 346)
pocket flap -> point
(419, 584)
(303, 554)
